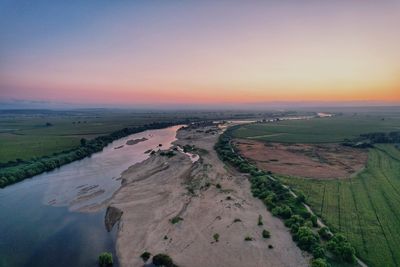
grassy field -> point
(320, 130)
(27, 136)
(365, 208)
(24, 134)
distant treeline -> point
(15, 171)
(369, 139)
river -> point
(40, 221)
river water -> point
(40, 224)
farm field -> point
(26, 134)
(321, 130)
(319, 161)
(364, 208)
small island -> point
(135, 141)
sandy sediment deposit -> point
(209, 198)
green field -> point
(24, 134)
(365, 208)
(320, 130)
(27, 136)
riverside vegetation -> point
(13, 172)
(279, 200)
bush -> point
(341, 248)
(105, 259)
(266, 234)
(176, 219)
(283, 211)
(319, 263)
(145, 256)
(294, 219)
(301, 198)
(318, 252)
(324, 233)
(259, 220)
(216, 237)
(306, 239)
(248, 238)
(163, 260)
(314, 220)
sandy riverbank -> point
(160, 188)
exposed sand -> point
(319, 161)
(160, 188)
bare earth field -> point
(161, 188)
(319, 161)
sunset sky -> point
(200, 52)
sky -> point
(200, 52)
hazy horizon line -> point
(45, 104)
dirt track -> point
(161, 188)
(322, 161)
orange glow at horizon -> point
(273, 52)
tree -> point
(145, 256)
(306, 238)
(83, 142)
(105, 259)
(216, 237)
(260, 222)
(266, 234)
(319, 263)
(163, 260)
(341, 248)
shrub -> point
(324, 233)
(176, 219)
(270, 246)
(301, 198)
(318, 251)
(218, 186)
(248, 238)
(341, 248)
(237, 220)
(319, 263)
(266, 234)
(105, 259)
(305, 237)
(294, 219)
(145, 256)
(314, 220)
(283, 211)
(259, 220)
(216, 237)
(163, 260)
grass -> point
(320, 130)
(24, 134)
(364, 208)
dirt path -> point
(161, 188)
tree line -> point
(279, 200)
(13, 172)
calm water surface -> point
(39, 220)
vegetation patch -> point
(176, 220)
(105, 259)
(278, 200)
(145, 256)
(163, 260)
